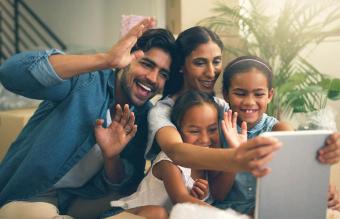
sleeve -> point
(30, 74)
(158, 117)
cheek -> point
(191, 139)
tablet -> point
(297, 187)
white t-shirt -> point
(151, 190)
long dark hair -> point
(187, 42)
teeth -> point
(249, 111)
(144, 86)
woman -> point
(200, 64)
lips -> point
(208, 83)
(144, 90)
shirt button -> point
(250, 189)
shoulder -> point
(282, 126)
(223, 105)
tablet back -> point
(297, 187)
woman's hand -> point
(113, 139)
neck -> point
(120, 97)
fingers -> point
(244, 128)
(330, 153)
(142, 26)
(118, 113)
(200, 189)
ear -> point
(270, 95)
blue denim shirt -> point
(242, 195)
(61, 131)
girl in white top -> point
(195, 115)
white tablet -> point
(297, 187)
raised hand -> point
(200, 189)
(330, 153)
(113, 139)
(120, 54)
(229, 129)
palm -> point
(112, 140)
(229, 129)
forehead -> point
(249, 79)
(199, 114)
(161, 58)
(209, 49)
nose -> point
(210, 71)
(204, 139)
(152, 76)
(249, 100)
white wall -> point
(93, 23)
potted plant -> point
(280, 39)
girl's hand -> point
(113, 139)
(200, 189)
(119, 56)
(330, 153)
(229, 129)
(333, 198)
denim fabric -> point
(242, 194)
(61, 131)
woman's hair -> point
(187, 100)
(244, 64)
(186, 42)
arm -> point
(41, 75)
(171, 176)
(68, 66)
(251, 156)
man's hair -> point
(157, 38)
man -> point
(55, 159)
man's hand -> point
(113, 139)
(254, 155)
(330, 153)
(229, 129)
(119, 56)
(200, 189)
(333, 198)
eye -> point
(194, 131)
(165, 74)
(213, 130)
(147, 65)
(217, 61)
(259, 94)
(199, 62)
(240, 93)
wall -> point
(93, 24)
